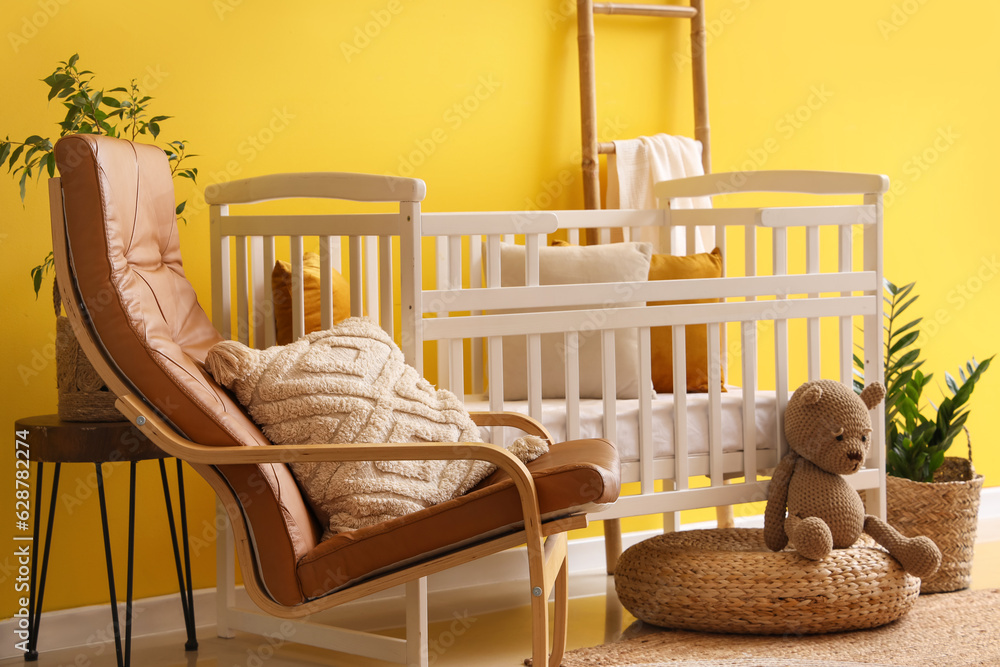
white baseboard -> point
(503, 573)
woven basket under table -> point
(727, 580)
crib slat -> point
(298, 289)
(609, 384)
(387, 315)
(750, 258)
(258, 277)
(494, 343)
(477, 344)
(572, 339)
(326, 281)
(604, 235)
(457, 381)
(494, 350)
(780, 252)
(531, 277)
(845, 265)
(443, 281)
(411, 285)
(221, 288)
(680, 407)
(270, 335)
(534, 375)
(647, 476)
(531, 269)
(690, 241)
(492, 261)
(242, 291)
(720, 242)
(874, 372)
(573, 235)
(812, 323)
(356, 259)
(714, 405)
(748, 344)
(457, 357)
(370, 252)
(667, 244)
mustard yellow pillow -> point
(281, 289)
(671, 267)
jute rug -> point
(949, 629)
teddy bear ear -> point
(229, 361)
(873, 394)
(811, 394)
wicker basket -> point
(727, 580)
(83, 396)
(946, 512)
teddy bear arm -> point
(775, 536)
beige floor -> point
(500, 638)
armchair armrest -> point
(806, 182)
(529, 425)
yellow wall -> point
(902, 87)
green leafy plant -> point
(915, 443)
(90, 110)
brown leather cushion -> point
(573, 474)
(119, 201)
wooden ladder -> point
(585, 10)
(695, 12)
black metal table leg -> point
(189, 621)
(130, 565)
(111, 570)
(186, 606)
(35, 604)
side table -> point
(51, 440)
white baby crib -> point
(674, 437)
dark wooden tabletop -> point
(52, 440)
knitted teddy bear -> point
(828, 428)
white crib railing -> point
(479, 311)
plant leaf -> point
(950, 381)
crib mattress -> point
(627, 437)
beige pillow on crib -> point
(616, 262)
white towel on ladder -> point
(637, 164)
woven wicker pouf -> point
(726, 580)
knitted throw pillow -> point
(350, 384)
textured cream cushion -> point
(350, 384)
(615, 262)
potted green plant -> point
(928, 493)
(119, 112)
